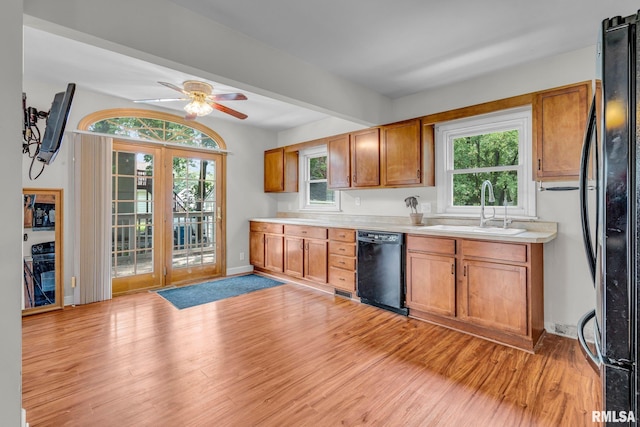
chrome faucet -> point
(484, 219)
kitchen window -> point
(494, 147)
(314, 193)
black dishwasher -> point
(381, 270)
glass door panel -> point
(195, 217)
(136, 262)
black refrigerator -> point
(611, 159)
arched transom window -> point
(153, 126)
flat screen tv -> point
(56, 121)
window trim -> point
(516, 118)
(303, 172)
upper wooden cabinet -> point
(401, 154)
(365, 158)
(280, 171)
(339, 161)
(559, 121)
(354, 159)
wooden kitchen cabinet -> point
(342, 259)
(339, 162)
(365, 158)
(266, 246)
(431, 275)
(401, 154)
(354, 159)
(280, 171)
(491, 289)
(496, 295)
(559, 120)
(306, 252)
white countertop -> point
(537, 232)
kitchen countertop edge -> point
(529, 236)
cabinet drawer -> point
(342, 235)
(431, 244)
(305, 231)
(343, 279)
(346, 263)
(266, 227)
(512, 252)
(338, 248)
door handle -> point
(219, 213)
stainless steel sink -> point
(474, 229)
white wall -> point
(568, 289)
(245, 198)
(11, 214)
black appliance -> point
(381, 270)
(41, 273)
(613, 257)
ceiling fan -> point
(201, 99)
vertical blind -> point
(92, 170)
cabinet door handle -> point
(348, 179)
(418, 174)
(354, 179)
(304, 232)
(539, 164)
(453, 269)
(464, 273)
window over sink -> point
(314, 192)
(494, 147)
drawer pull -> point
(341, 235)
(341, 279)
(341, 249)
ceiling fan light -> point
(198, 108)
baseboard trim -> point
(239, 270)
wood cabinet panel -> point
(431, 284)
(431, 244)
(273, 252)
(365, 158)
(266, 227)
(342, 279)
(339, 162)
(294, 256)
(345, 262)
(315, 261)
(401, 154)
(560, 118)
(495, 295)
(305, 231)
(511, 252)
(256, 249)
(280, 171)
(341, 248)
(342, 235)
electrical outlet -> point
(357, 200)
(426, 207)
(241, 256)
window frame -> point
(519, 119)
(305, 155)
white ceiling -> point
(394, 48)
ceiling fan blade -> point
(161, 100)
(228, 110)
(174, 87)
(227, 97)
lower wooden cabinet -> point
(486, 288)
(342, 259)
(433, 283)
(305, 254)
(266, 245)
(495, 295)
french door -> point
(167, 216)
(194, 224)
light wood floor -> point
(287, 356)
